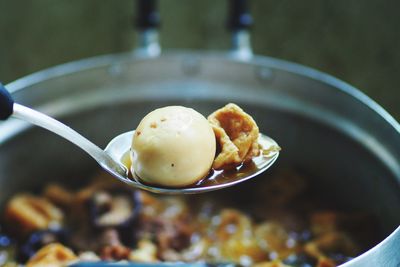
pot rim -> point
(295, 68)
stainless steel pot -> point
(324, 125)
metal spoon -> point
(111, 157)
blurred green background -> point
(356, 41)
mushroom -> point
(118, 209)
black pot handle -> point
(6, 103)
(147, 23)
(239, 15)
(147, 15)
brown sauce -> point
(214, 177)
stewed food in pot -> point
(279, 224)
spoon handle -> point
(6, 103)
(37, 118)
(8, 108)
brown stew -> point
(278, 224)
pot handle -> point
(147, 15)
(239, 22)
(147, 23)
(239, 15)
(6, 103)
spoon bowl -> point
(118, 149)
(111, 159)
